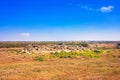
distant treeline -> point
(15, 44)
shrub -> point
(43, 57)
(13, 44)
(98, 51)
(118, 45)
(87, 53)
(84, 44)
(63, 54)
(38, 58)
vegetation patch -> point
(43, 57)
(118, 45)
(63, 54)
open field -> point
(59, 39)
(20, 66)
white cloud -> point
(25, 34)
(106, 9)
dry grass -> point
(22, 67)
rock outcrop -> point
(52, 48)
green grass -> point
(63, 54)
(43, 57)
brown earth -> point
(14, 66)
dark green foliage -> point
(98, 51)
(12, 44)
(23, 44)
(84, 44)
(118, 45)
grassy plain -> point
(18, 66)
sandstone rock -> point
(51, 48)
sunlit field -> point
(81, 65)
(59, 39)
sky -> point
(59, 20)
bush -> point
(43, 57)
(98, 51)
(84, 44)
(39, 58)
(118, 45)
(13, 44)
(63, 54)
(90, 54)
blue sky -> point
(59, 20)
